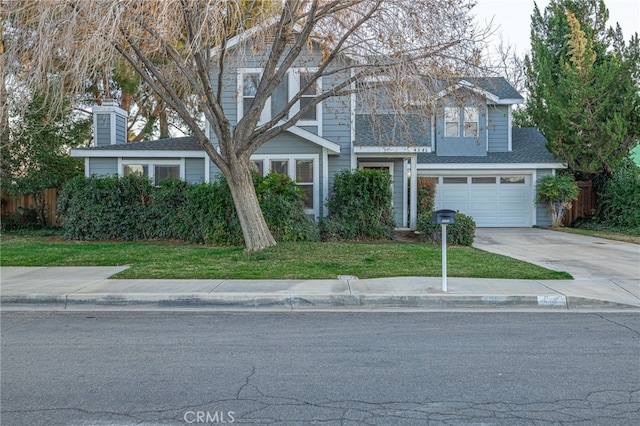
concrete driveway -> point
(581, 256)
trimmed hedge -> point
(131, 208)
(359, 207)
(462, 232)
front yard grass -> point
(164, 260)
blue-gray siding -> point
(542, 213)
(103, 130)
(194, 170)
(498, 127)
(121, 129)
(103, 166)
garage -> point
(504, 200)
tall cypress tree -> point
(583, 80)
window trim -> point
(293, 76)
(295, 81)
(475, 111)
(180, 163)
(447, 114)
(291, 163)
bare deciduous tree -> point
(182, 49)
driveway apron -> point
(582, 256)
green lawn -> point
(284, 261)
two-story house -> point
(483, 166)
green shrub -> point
(462, 232)
(282, 204)
(426, 195)
(130, 208)
(98, 208)
(557, 192)
(618, 202)
(359, 207)
(22, 218)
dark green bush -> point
(98, 208)
(130, 208)
(462, 232)
(22, 218)
(282, 203)
(359, 207)
(618, 202)
(426, 195)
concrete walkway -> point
(89, 287)
(607, 275)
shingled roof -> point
(391, 130)
(528, 146)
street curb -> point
(303, 302)
(290, 301)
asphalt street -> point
(330, 368)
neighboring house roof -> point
(528, 147)
(385, 131)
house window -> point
(303, 170)
(259, 166)
(304, 179)
(470, 122)
(139, 170)
(250, 84)
(308, 96)
(162, 172)
(280, 98)
(155, 172)
(451, 122)
(294, 81)
(279, 166)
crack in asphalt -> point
(597, 406)
(617, 323)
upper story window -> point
(250, 82)
(308, 96)
(452, 120)
(471, 122)
(294, 81)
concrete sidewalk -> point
(89, 287)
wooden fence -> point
(584, 206)
(12, 205)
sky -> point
(514, 18)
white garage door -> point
(492, 201)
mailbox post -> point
(443, 218)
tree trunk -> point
(257, 235)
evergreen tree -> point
(582, 80)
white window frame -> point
(291, 164)
(450, 112)
(266, 112)
(470, 112)
(294, 87)
(151, 166)
(293, 76)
